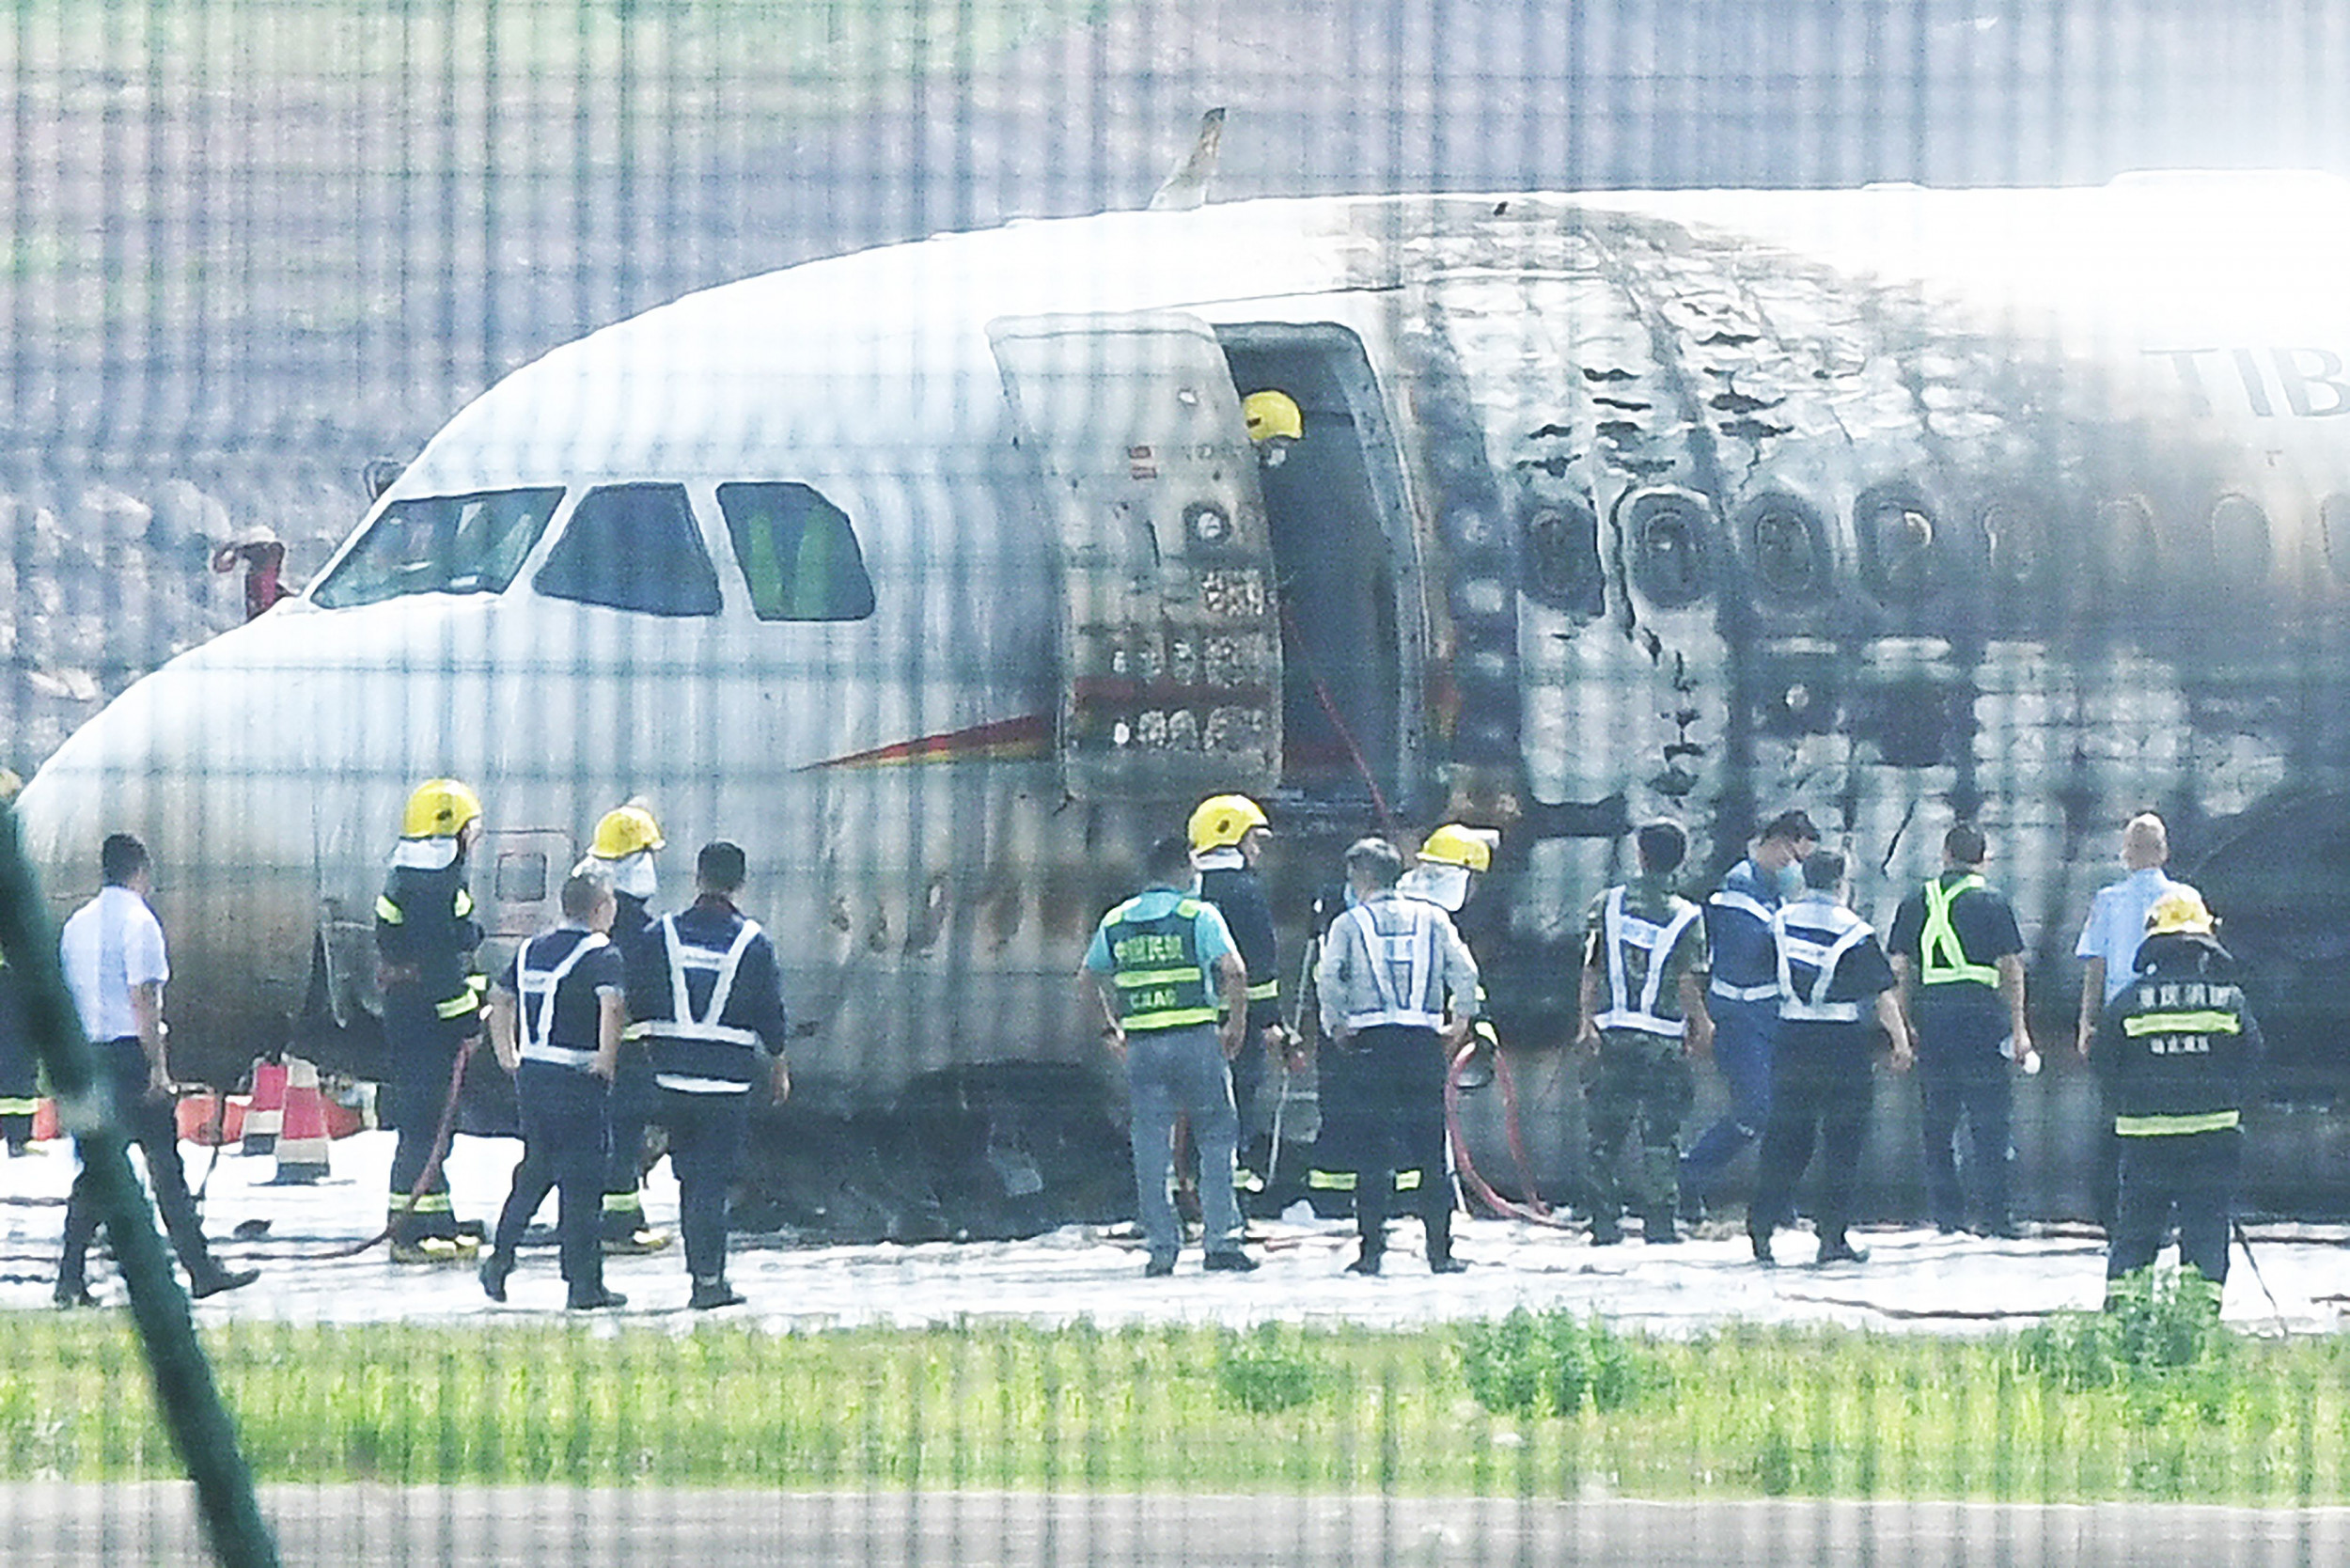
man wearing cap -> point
(2179, 1052)
(1742, 994)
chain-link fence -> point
(934, 443)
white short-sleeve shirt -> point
(113, 944)
(2117, 924)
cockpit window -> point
(632, 547)
(440, 544)
(798, 553)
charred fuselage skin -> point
(1897, 505)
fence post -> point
(190, 1403)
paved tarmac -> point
(362, 1527)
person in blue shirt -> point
(1742, 994)
(2117, 922)
(1158, 968)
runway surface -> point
(359, 1527)
(1914, 1281)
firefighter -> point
(1743, 993)
(1274, 423)
(1157, 967)
(1831, 975)
(1643, 1013)
(626, 841)
(2179, 1051)
(556, 1017)
(1958, 956)
(20, 1081)
(707, 997)
(425, 935)
(1227, 835)
(1397, 992)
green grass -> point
(1746, 1413)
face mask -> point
(1790, 881)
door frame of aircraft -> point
(1351, 669)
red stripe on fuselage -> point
(1025, 736)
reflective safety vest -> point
(1155, 968)
(1624, 933)
(1729, 900)
(537, 988)
(1405, 965)
(1806, 966)
(683, 1023)
(1941, 957)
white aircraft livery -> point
(944, 576)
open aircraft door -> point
(1170, 639)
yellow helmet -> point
(1269, 414)
(1471, 848)
(2179, 910)
(626, 830)
(1222, 821)
(440, 808)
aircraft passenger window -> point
(440, 544)
(632, 547)
(522, 877)
(1562, 566)
(1667, 536)
(2239, 536)
(1789, 546)
(2333, 517)
(798, 553)
(1897, 532)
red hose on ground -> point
(431, 1166)
(1531, 1213)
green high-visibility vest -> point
(1156, 967)
(1942, 959)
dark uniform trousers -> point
(1962, 1072)
(1383, 1099)
(423, 1048)
(707, 1135)
(563, 1147)
(630, 1108)
(1820, 1097)
(1641, 1084)
(2189, 1175)
(150, 1123)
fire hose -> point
(431, 1166)
(1533, 1210)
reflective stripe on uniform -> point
(1812, 1004)
(1941, 957)
(425, 1203)
(388, 912)
(682, 1024)
(1163, 994)
(2140, 1024)
(1413, 950)
(1730, 993)
(2172, 1126)
(14, 1106)
(1622, 932)
(463, 903)
(538, 1032)
(458, 1007)
(1265, 991)
(1345, 1180)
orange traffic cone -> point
(265, 1115)
(302, 1137)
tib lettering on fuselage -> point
(2268, 383)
